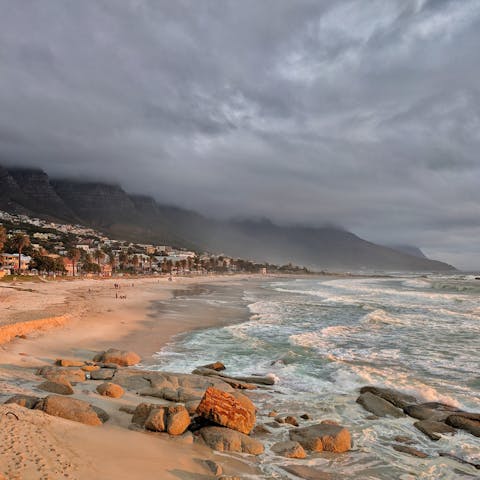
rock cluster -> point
(434, 419)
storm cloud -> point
(364, 114)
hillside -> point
(141, 219)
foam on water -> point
(323, 340)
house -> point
(10, 261)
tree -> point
(135, 262)
(112, 261)
(3, 237)
(122, 258)
(151, 257)
(74, 256)
(99, 256)
(20, 242)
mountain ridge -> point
(140, 218)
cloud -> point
(364, 114)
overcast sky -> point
(363, 113)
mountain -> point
(141, 219)
(410, 250)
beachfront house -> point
(9, 261)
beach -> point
(323, 339)
(92, 318)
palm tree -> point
(74, 256)
(20, 242)
(135, 261)
(122, 258)
(3, 237)
(150, 261)
(99, 256)
(112, 261)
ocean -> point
(323, 338)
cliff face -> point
(141, 219)
(98, 204)
(39, 194)
(12, 198)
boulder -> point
(323, 438)
(142, 412)
(217, 366)
(110, 390)
(178, 420)
(27, 401)
(289, 449)
(72, 374)
(64, 362)
(226, 440)
(232, 410)
(174, 387)
(127, 409)
(58, 384)
(378, 406)
(119, 357)
(434, 411)
(404, 439)
(460, 460)
(305, 416)
(399, 399)
(287, 419)
(410, 451)
(432, 428)
(156, 420)
(69, 408)
(460, 421)
(102, 374)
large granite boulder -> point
(289, 449)
(27, 401)
(72, 374)
(232, 410)
(174, 387)
(460, 421)
(435, 411)
(323, 437)
(226, 440)
(119, 357)
(57, 384)
(378, 406)
(431, 428)
(173, 420)
(102, 374)
(109, 389)
(69, 408)
(399, 399)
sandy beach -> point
(75, 320)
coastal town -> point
(39, 247)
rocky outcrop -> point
(399, 399)
(119, 357)
(431, 428)
(66, 362)
(174, 387)
(226, 440)
(232, 410)
(323, 438)
(69, 408)
(465, 423)
(112, 390)
(217, 366)
(430, 411)
(173, 420)
(378, 406)
(289, 449)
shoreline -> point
(97, 321)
